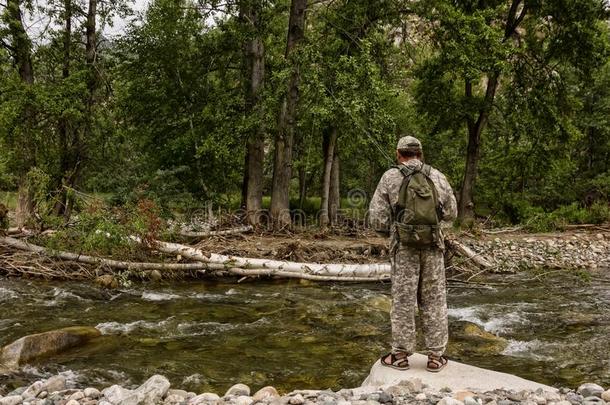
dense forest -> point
(293, 104)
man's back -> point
(386, 197)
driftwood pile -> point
(34, 261)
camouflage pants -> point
(418, 279)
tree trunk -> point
(475, 129)
(282, 165)
(334, 200)
(21, 51)
(302, 186)
(64, 135)
(254, 72)
(329, 141)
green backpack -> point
(418, 210)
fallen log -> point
(469, 254)
(115, 264)
(289, 274)
(369, 270)
(205, 234)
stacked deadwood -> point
(215, 264)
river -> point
(210, 335)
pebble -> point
(55, 383)
(590, 390)
(243, 400)
(593, 401)
(76, 396)
(238, 389)
(11, 400)
(462, 395)
(265, 392)
(173, 399)
(449, 401)
(156, 391)
(33, 390)
(92, 393)
(296, 400)
(180, 393)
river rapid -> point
(206, 335)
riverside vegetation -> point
(285, 113)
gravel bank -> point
(157, 390)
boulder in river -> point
(467, 337)
(32, 347)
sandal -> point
(398, 360)
(436, 363)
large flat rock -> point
(33, 347)
(457, 376)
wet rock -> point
(265, 392)
(32, 347)
(92, 393)
(590, 390)
(238, 389)
(469, 337)
(107, 281)
(11, 400)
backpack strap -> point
(405, 170)
(426, 169)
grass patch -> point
(9, 198)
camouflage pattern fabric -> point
(418, 275)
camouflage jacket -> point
(385, 198)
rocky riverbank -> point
(157, 390)
(511, 252)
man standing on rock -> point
(412, 203)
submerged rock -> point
(33, 347)
(469, 337)
(107, 281)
